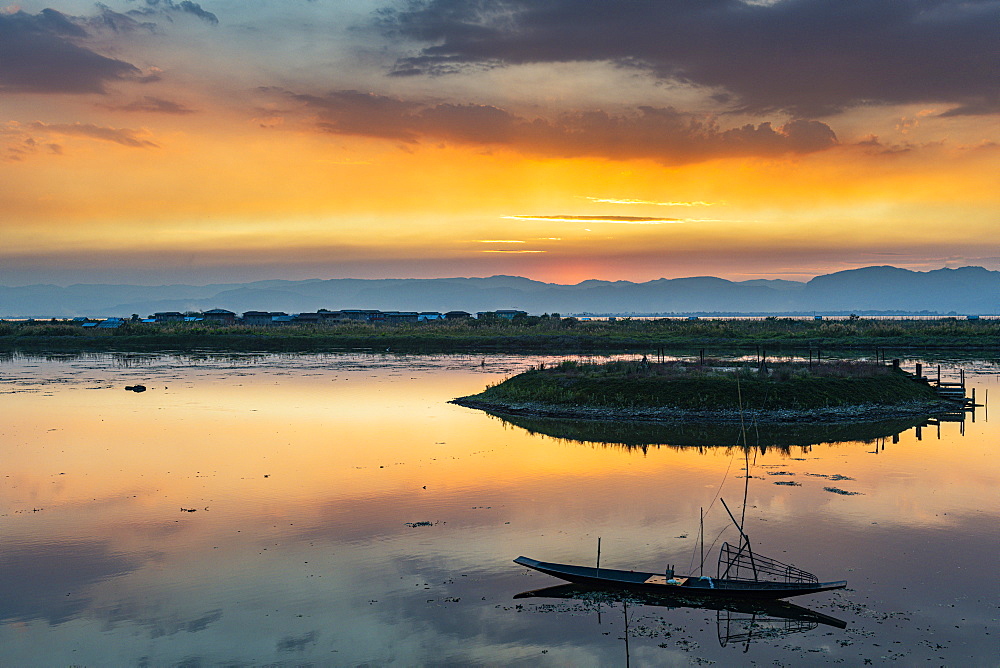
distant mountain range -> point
(968, 290)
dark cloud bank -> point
(662, 134)
(39, 54)
(47, 52)
(809, 57)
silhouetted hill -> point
(966, 290)
(972, 290)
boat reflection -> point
(738, 621)
(642, 435)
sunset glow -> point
(147, 141)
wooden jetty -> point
(952, 391)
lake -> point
(334, 509)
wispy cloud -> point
(165, 7)
(155, 105)
(507, 250)
(16, 144)
(122, 136)
(498, 241)
(603, 200)
(619, 220)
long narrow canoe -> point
(687, 585)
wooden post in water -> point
(939, 376)
(598, 556)
(920, 370)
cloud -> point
(116, 22)
(122, 136)
(155, 105)
(622, 220)
(39, 54)
(352, 112)
(167, 7)
(662, 134)
(17, 144)
(605, 200)
(810, 57)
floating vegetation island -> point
(716, 390)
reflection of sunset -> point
(240, 496)
(338, 437)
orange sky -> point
(158, 141)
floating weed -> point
(835, 476)
(844, 492)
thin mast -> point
(745, 541)
(701, 537)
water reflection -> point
(642, 435)
(346, 514)
(49, 581)
(737, 621)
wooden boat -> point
(792, 584)
(740, 574)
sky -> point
(172, 141)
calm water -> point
(335, 510)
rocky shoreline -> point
(826, 415)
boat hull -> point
(689, 586)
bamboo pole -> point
(701, 535)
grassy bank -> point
(717, 386)
(531, 334)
